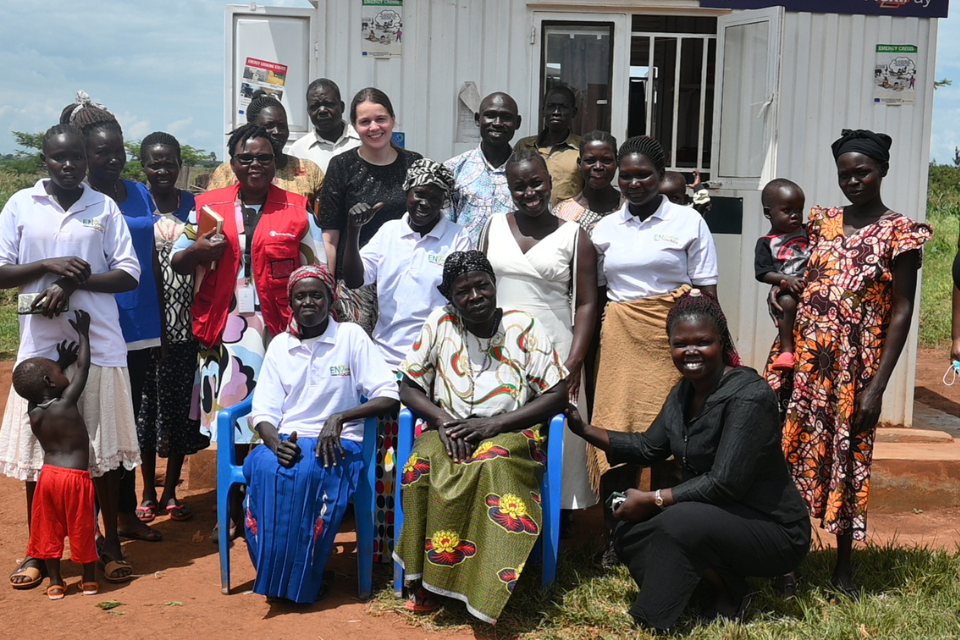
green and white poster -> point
(381, 31)
(895, 75)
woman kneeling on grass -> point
(307, 410)
(737, 512)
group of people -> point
(507, 285)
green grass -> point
(943, 212)
(909, 593)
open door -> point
(744, 128)
(743, 159)
(272, 49)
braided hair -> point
(598, 136)
(647, 147)
(257, 105)
(60, 129)
(520, 156)
(700, 305)
(249, 132)
(159, 138)
(84, 112)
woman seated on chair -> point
(307, 411)
(737, 512)
(484, 380)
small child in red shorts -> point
(63, 502)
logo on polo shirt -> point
(340, 371)
(436, 258)
(662, 237)
(94, 224)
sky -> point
(158, 65)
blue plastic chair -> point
(549, 541)
(229, 473)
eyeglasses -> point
(246, 159)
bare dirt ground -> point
(177, 593)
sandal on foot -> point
(785, 586)
(147, 511)
(786, 361)
(90, 588)
(422, 602)
(179, 512)
(852, 591)
(56, 591)
(111, 567)
(146, 534)
(35, 575)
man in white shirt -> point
(330, 135)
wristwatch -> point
(658, 499)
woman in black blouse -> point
(370, 176)
(737, 512)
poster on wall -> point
(260, 75)
(895, 74)
(381, 28)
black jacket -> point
(730, 452)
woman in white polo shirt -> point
(404, 259)
(650, 253)
(307, 411)
(69, 244)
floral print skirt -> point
(469, 527)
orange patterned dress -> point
(840, 332)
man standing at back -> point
(480, 174)
(557, 142)
(330, 135)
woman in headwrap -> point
(483, 379)
(308, 413)
(852, 322)
(405, 260)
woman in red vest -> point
(241, 296)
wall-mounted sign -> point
(381, 28)
(895, 74)
(912, 8)
(260, 75)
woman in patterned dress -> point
(484, 379)
(852, 322)
(168, 424)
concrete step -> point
(917, 468)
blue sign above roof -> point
(911, 8)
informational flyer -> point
(381, 29)
(260, 75)
(895, 75)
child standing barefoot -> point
(781, 257)
(63, 502)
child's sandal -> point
(56, 591)
(90, 588)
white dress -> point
(541, 282)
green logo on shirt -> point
(95, 224)
(436, 258)
(340, 371)
(660, 237)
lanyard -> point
(251, 217)
(952, 373)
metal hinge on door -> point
(533, 35)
